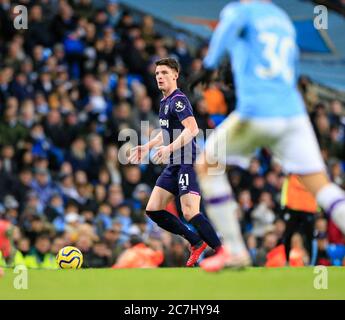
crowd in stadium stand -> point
(68, 85)
(336, 5)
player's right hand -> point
(137, 153)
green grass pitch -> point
(175, 284)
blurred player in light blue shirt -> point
(261, 41)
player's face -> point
(166, 78)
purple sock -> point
(206, 231)
(169, 222)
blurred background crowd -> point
(69, 84)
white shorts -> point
(292, 141)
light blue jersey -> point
(261, 41)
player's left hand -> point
(162, 155)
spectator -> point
(55, 208)
(22, 186)
(252, 247)
(114, 12)
(216, 105)
(85, 9)
(131, 178)
(15, 55)
(9, 163)
(11, 205)
(263, 216)
(246, 205)
(141, 195)
(85, 200)
(40, 255)
(103, 220)
(111, 238)
(182, 52)
(100, 256)
(57, 244)
(177, 253)
(104, 177)
(298, 257)
(95, 157)
(115, 196)
(148, 30)
(67, 187)
(84, 244)
(27, 114)
(43, 185)
(53, 128)
(143, 112)
(33, 204)
(269, 242)
(100, 193)
(63, 22)
(6, 75)
(11, 131)
(35, 225)
(112, 164)
(337, 173)
(124, 216)
(202, 116)
(139, 256)
(77, 155)
(38, 32)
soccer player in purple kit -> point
(178, 179)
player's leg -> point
(329, 196)
(189, 193)
(190, 205)
(155, 209)
(300, 153)
(159, 199)
(222, 210)
(291, 226)
(308, 227)
(217, 194)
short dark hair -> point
(170, 62)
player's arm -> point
(232, 20)
(156, 141)
(188, 133)
(139, 152)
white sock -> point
(332, 199)
(222, 210)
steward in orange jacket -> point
(299, 207)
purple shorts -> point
(179, 180)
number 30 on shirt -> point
(277, 54)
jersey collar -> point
(170, 95)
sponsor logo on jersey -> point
(166, 109)
(164, 123)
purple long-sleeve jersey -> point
(173, 110)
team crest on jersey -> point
(166, 109)
(179, 106)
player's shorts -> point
(179, 180)
(292, 140)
